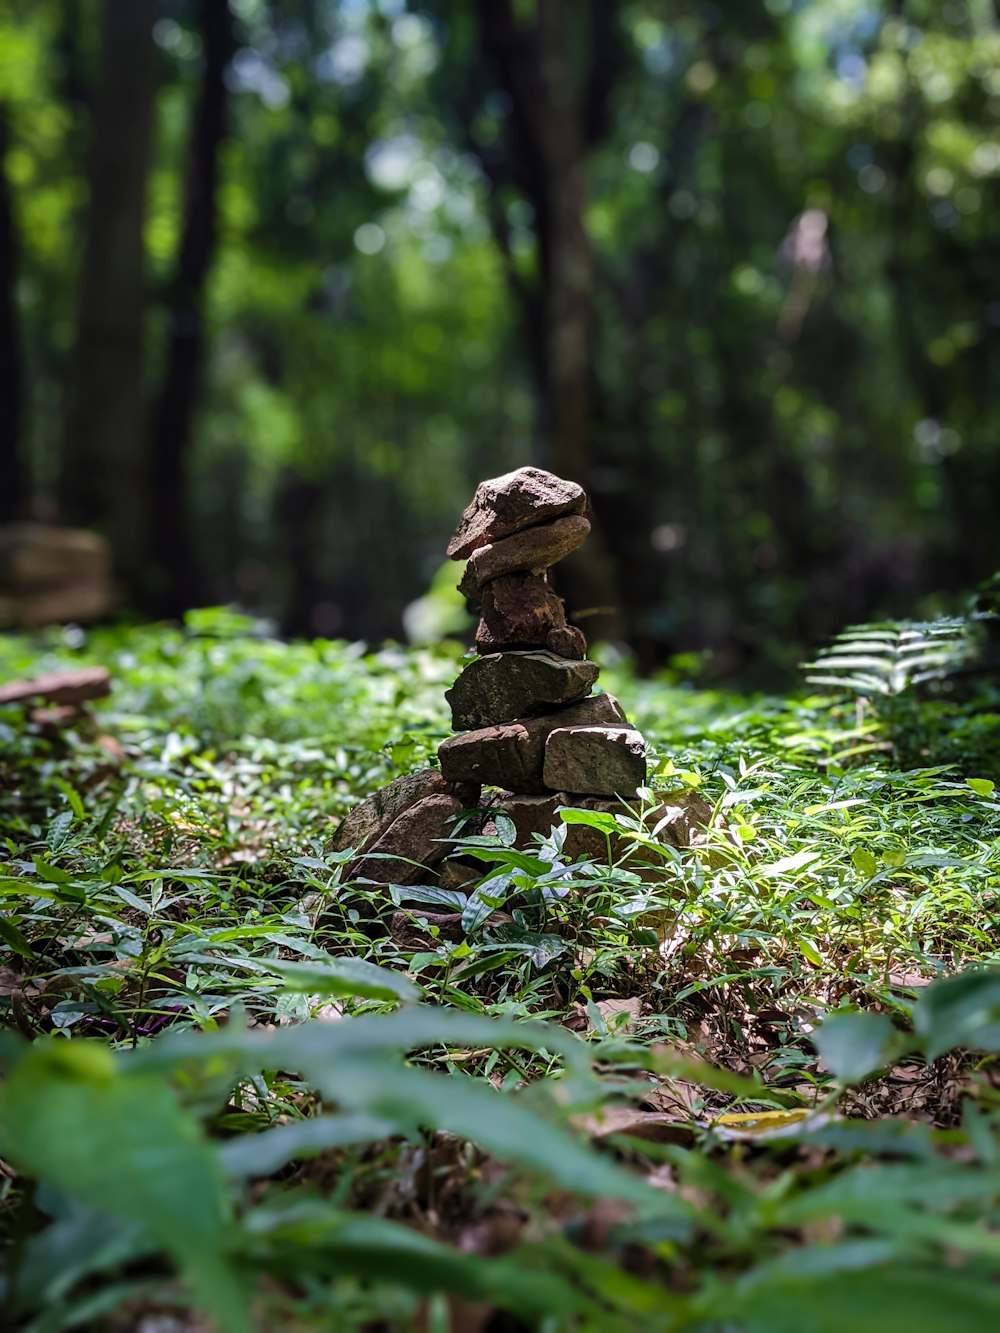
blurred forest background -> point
(281, 282)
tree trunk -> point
(103, 480)
(298, 511)
(174, 583)
(555, 116)
(14, 484)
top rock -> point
(508, 504)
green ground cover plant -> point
(752, 1088)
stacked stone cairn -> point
(526, 719)
(527, 723)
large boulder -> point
(508, 504)
(503, 687)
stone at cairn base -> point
(414, 842)
(362, 825)
(680, 819)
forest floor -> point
(299, 1108)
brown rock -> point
(505, 756)
(405, 926)
(598, 761)
(512, 755)
(415, 841)
(40, 555)
(510, 503)
(60, 687)
(50, 574)
(56, 717)
(518, 611)
(680, 820)
(456, 875)
(362, 825)
(567, 641)
(531, 551)
(412, 928)
(504, 687)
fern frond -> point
(893, 656)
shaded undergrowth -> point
(166, 872)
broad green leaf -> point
(919, 1298)
(78, 1243)
(863, 1192)
(508, 856)
(540, 947)
(310, 1234)
(788, 864)
(487, 898)
(981, 786)
(346, 977)
(123, 1145)
(854, 1045)
(430, 896)
(864, 861)
(409, 1029)
(598, 819)
(14, 938)
(264, 1153)
(51, 874)
(963, 1010)
(810, 953)
(500, 1123)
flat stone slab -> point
(597, 761)
(533, 551)
(512, 755)
(362, 826)
(50, 574)
(59, 687)
(518, 611)
(504, 687)
(415, 841)
(507, 504)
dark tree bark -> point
(103, 480)
(298, 510)
(174, 584)
(557, 113)
(14, 484)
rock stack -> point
(526, 721)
